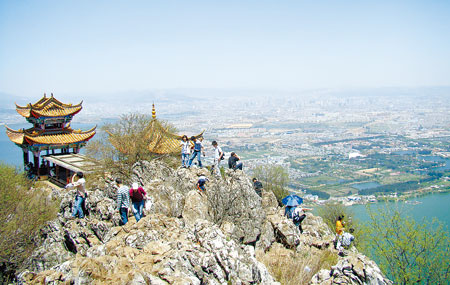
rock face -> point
(353, 269)
(186, 238)
(230, 199)
(159, 250)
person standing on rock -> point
(198, 148)
(80, 197)
(233, 161)
(123, 201)
(137, 195)
(185, 151)
(257, 185)
(218, 157)
(339, 230)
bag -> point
(222, 156)
(148, 204)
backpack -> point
(222, 155)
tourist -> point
(138, 196)
(123, 200)
(233, 161)
(80, 196)
(218, 157)
(289, 211)
(346, 240)
(339, 229)
(340, 225)
(185, 151)
(201, 183)
(257, 186)
(298, 216)
(198, 149)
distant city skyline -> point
(90, 47)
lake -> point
(435, 205)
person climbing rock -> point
(123, 200)
(138, 196)
(79, 183)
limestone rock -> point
(195, 207)
(352, 269)
(168, 253)
(186, 237)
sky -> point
(114, 46)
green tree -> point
(274, 178)
(408, 251)
(331, 211)
(131, 136)
(23, 212)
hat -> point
(134, 185)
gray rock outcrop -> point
(352, 269)
(188, 237)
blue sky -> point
(109, 46)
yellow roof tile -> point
(31, 137)
(48, 107)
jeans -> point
(138, 209)
(77, 207)
(184, 159)
(123, 215)
(239, 166)
(197, 154)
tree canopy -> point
(406, 250)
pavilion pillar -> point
(25, 156)
(36, 163)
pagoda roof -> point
(161, 140)
(34, 137)
(48, 107)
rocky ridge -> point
(186, 238)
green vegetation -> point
(290, 267)
(131, 134)
(23, 212)
(274, 178)
(407, 251)
(331, 211)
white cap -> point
(135, 185)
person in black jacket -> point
(233, 161)
(258, 187)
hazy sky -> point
(105, 46)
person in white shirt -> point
(345, 240)
(298, 216)
(185, 151)
(218, 157)
(80, 197)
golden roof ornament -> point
(153, 111)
